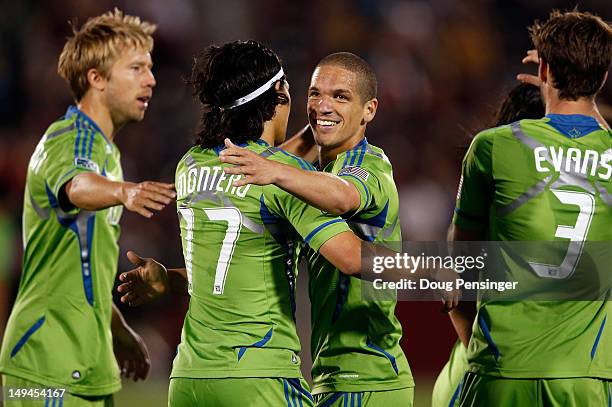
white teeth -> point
(326, 123)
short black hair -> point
(222, 74)
(366, 78)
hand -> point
(143, 284)
(532, 57)
(450, 299)
(131, 353)
(255, 168)
(142, 197)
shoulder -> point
(280, 155)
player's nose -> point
(150, 81)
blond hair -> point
(97, 45)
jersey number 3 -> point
(576, 234)
(233, 217)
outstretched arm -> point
(322, 190)
(91, 191)
(130, 350)
(149, 281)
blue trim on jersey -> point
(365, 149)
(86, 254)
(456, 394)
(73, 110)
(318, 229)
(387, 354)
(90, 147)
(331, 400)
(77, 141)
(85, 139)
(305, 166)
(27, 335)
(52, 200)
(259, 344)
(487, 334)
(378, 220)
(298, 385)
(344, 283)
(362, 150)
(362, 184)
(594, 349)
(609, 394)
(266, 215)
(573, 125)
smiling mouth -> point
(326, 123)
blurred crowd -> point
(442, 67)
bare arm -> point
(91, 191)
(463, 315)
(325, 191)
(149, 281)
(303, 145)
(130, 350)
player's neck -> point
(329, 154)
(100, 114)
(583, 106)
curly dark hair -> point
(578, 49)
(524, 101)
(222, 74)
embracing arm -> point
(322, 190)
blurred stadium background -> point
(442, 67)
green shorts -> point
(11, 383)
(386, 398)
(481, 390)
(231, 392)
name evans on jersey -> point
(586, 162)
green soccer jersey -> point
(238, 245)
(541, 180)
(355, 343)
(59, 333)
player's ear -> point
(369, 110)
(95, 79)
(543, 71)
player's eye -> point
(313, 94)
(341, 97)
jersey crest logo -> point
(356, 172)
(86, 164)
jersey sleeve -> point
(476, 184)
(361, 173)
(84, 150)
(313, 225)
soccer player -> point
(239, 344)
(551, 353)
(357, 358)
(522, 102)
(63, 327)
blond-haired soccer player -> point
(64, 327)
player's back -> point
(238, 245)
(549, 181)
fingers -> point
(160, 188)
(532, 57)
(531, 79)
(135, 259)
(234, 159)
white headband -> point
(257, 92)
